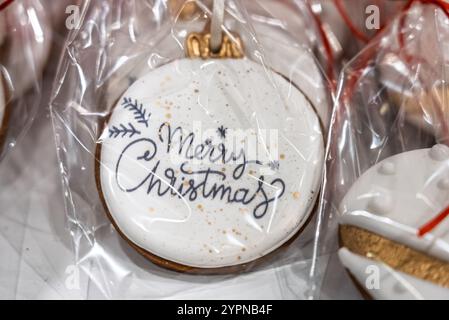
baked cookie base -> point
(397, 256)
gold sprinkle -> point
(296, 195)
(282, 156)
(168, 115)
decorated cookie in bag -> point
(395, 224)
(212, 161)
(415, 74)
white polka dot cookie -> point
(382, 217)
(210, 164)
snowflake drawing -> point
(274, 165)
(222, 131)
(140, 113)
(123, 131)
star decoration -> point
(222, 132)
(274, 165)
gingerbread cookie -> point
(381, 216)
(208, 164)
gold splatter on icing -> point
(200, 207)
(168, 116)
(282, 156)
(296, 195)
(396, 255)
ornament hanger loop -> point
(216, 43)
(216, 35)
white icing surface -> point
(232, 94)
(297, 63)
(404, 200)
(392, 284)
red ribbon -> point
(5, 4)
(357, 33)
(432, 224)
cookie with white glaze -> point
(380, 218)
(210, 164)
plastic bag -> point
(25, 41)
(133, 117)
(385, 197)
(349, 25)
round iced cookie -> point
(382, 213)
(27, 44)
(210, 164)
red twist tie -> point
(5, 4)
(432, 224)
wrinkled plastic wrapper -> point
(387, 164)
(349, 25)
(119, 134)
(25, 41)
